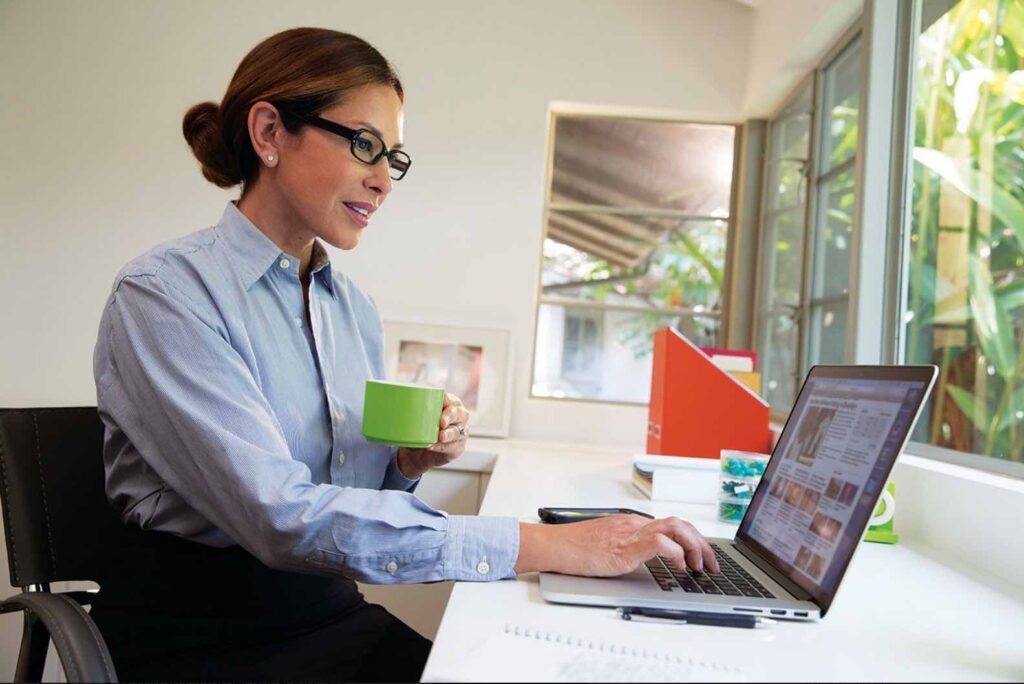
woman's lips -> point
(359, 212)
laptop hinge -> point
(789, 585)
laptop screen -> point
(827, 471)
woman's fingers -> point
(450, 440)
(452, 435)
(615, 545)
(681, 542)
(454, 412)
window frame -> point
(878, 337)
(804, 311)
(765, 310)
(557, 110)
(813, 258)
(898, 265)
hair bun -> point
(202, 129)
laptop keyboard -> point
(732, 581)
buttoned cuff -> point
(393, 478)
(480, 549)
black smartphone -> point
(568, 515)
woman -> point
(230, 368)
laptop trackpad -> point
(598, 590)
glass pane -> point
(604, 244)
(682, 267)
(840, 108)
(639, 163)
(784, 278)
(789, 150)
(833, 235)
(778, 361)
(787, 188)
(638, 218)
(965, 305)
(795, 132)
(827, 343)
(784, 232)
(610, 358)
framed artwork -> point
(472, 363)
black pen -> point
(690, 617)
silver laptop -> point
(808, 514)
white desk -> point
(898, 615)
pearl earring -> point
(270, 157)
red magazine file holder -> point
(698, 409)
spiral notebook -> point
(545, 656)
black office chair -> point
(59, 527)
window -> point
(785, 231)
(637, 215)
(964, 264)
(807, 227)
(581, 346)
(829, 299)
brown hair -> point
(305, 69)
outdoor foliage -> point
(685, 272)
(966, 273)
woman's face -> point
(332, 195)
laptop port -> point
(800, 613)
(749, 610)
(776, 611)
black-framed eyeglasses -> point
(366, 146)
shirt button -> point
(391, 567)
(483, 567)
(283, 263)
(341, 459)
(298, 321)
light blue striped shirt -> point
(231, 418)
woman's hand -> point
(612, 546)
(453, 429)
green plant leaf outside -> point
(1016, 404)
(1011, 295)
(994, 327)
(966, 402)
(968, 181)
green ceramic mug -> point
(402, 414)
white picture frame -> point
(473, 363)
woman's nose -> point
(380, 180)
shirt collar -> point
(320, 266)
(255, 253)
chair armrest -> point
(81, 648)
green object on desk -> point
(880, 528)
(732, 510)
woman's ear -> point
(265, 130)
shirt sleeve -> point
(192, 408)
(393, 478)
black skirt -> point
(171, 609)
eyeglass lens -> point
(368, 148)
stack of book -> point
(738, 363)
(676, 478)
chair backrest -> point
(58, 522)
